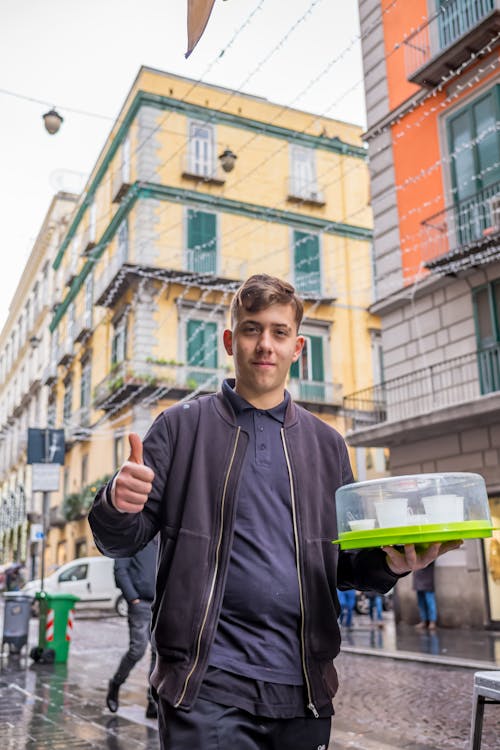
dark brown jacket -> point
(197, 450)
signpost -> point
(46, 455)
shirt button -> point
(262, 446)
(261, 429)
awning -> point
(197, 18)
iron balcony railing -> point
(460, 231)
(315, 391)
(443, 31)
(445, 384)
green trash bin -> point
(55, 627)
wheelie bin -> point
(55, 627)
(16, 620)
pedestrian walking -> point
(376, 609)
(347, 602)
(240, 485)
(423, 584)
(135, 576)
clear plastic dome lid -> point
(413, 508)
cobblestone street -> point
(383, 703)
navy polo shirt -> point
(258, 629)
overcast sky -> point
(84, 55)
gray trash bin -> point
(16, 618)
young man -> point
(241, 486)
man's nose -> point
(265, 341)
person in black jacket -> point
(135, 576)
(241, 486)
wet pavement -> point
(400, 690)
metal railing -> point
(445, 384)
(315, 391)
(452, 21)
(467, 223)
(154, 374)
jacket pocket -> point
(182, 593)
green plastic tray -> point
(425, 534)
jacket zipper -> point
(310, 704)
(214, 577)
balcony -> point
(304, 193)
(65, 351)
(315, 392)
(464, 389)
(447, 39)
(120, 187)
(201, 171)
(78, 428)
(83, 326)
(88, 240)
(50, 374)
(154, 379)
(465, 234)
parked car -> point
(90, 578)
(362, 605)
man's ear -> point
(228, 341)
(299, 345)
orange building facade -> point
(432, 84)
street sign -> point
(45, 477)
(36, 532)
(45, 446)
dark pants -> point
(210, 726)
(139, 626)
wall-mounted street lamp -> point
(227, 160)
(52, 121)
(34, 341)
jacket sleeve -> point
(124, 580)
(365, 570)
(119, 534)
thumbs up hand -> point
(134, 481)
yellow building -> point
(24, 353)
(196, 188)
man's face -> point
(264, 344)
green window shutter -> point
(201, 241)
(316, 355)
(306, 262)
(202, 344)
(294, 369)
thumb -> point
(135, 448)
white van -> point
(90, 578)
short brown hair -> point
(260, 292)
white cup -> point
(444, 508)
(362, 524)
(392, 512)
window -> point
(92, 221)
(201, 348)
(85, 384)
(309, 369)
(201, 149)
(85, 470)
(81, 548)
(474, 145)
(125, 163)
(122, 241)
(51, 413)
(306, 262)
(486, 301)
(118, 451)
(303, 180)
(75, 573)
(119, 342)
(88, 293)
(201, 241)
(68, 401)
